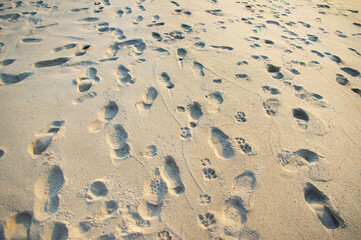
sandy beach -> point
(207, 119)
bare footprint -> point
(155, 189)
(147, 101)
(220, 143)
(301, 117)
(171, 175)
(195, 111)
(164, 77)
(6, 79)
(18, 226)
(197, 69)
(55, 231)
(123, 75)
(87, 79)
(43, 139)
(321, 206)
(292, 160)
(234, 214)
(116, 139)
(97, 189)
(46, 192)
(105, 115)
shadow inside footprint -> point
(220, 142)
(320, 204)
(171, 174)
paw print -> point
(205, 162)
(181, 109)
(207, 220)
(246, 148)
(269, 109)
(204, 199)
(186, 133)
(165, 235)
(240, 117)
(209, 173)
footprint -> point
(240, 117)
(186, 28)
(7, 79)
(105, 115)
(65, 47)
(222, 47)
(161, 51)
(84, 98)
(301, 157)
(341, 79)
(244, 184)
(242, 76)
(118, 33)
(89, 19)
(97, 189)
(155, 189)
(110, 207)
(138, 20)
(44, 139)
(181, 54)
(106, 237)
(150, 151)
(82, 51)
(116, 139)
(31, 40)
(220, 143)
(46, 192)
(317, 53)
(215, 99)
(56, 231)
(164, 77)
(197, 69)
(165, 235)
(209, 173)
(234, 214)
(199, 45)
(321, 206)
(157, 36)
(275, 71)
(171, 175)
(215, 12)
(83, 84)
(301, 117)
(146, 103)
(313, 98)
(51, 63)
(271, 90)
(7, 62)
(138, 46)
(195, 111)
(271, 106)
(123, 76)
(10, 17)
(352, 72)
(357, 91)
(207, 220)
(18, 226)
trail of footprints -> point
(167, 178)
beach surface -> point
(182, 119)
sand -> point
(206, 119)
